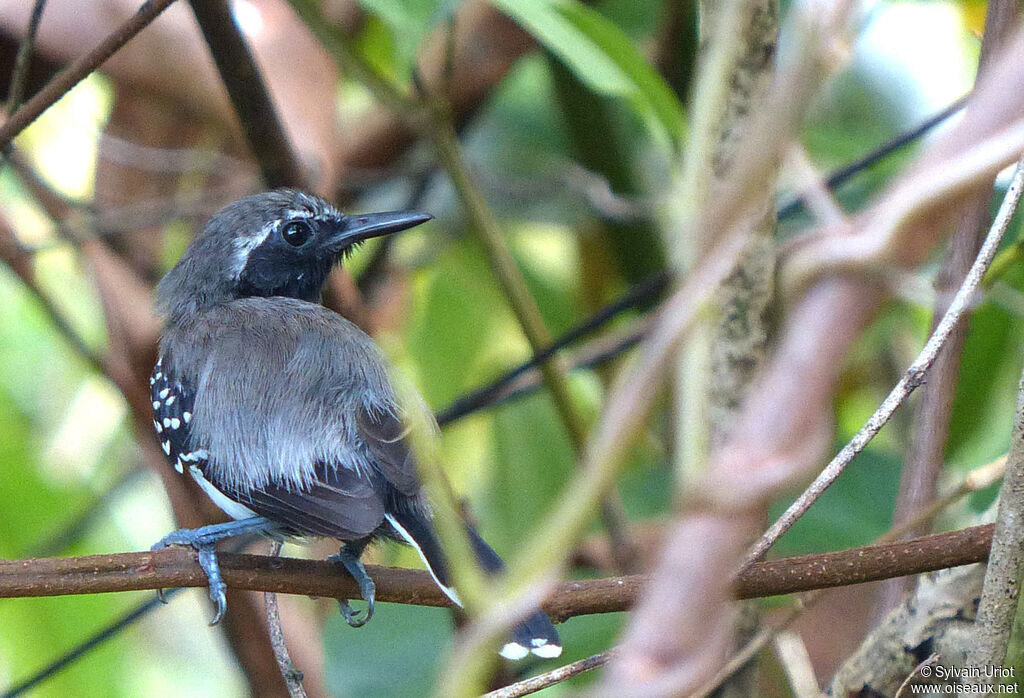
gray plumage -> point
(280, 408)
(249, 357)
(209, 271)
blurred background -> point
(104, 191)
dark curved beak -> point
(372, 225)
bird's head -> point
(280, 243)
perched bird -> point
(281, 409)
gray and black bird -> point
(281, 409)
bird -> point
(282, 410)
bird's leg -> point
(203, 540)
(349, 557)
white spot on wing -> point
(187, 416)
(167, 447)
(170, 401)
(175, 422)
(156, 405)
(164, 393)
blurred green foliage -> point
(592, 101)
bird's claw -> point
(351, 615)
(203, 540)
(218, 589)
(367, 589)
(220, 600)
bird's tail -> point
(536, 634)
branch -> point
(178, 567)
(784, 425)
(79, 70)
(930, 423)
(935, 620)
(550, 678)
(19, 77)
(249, 94)
(999, 599)
(291, 675)
(913, 377)
(900, 140)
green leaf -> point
(601, 55)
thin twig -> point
(20, 262)
(19, 77)
(488, 232)
(748, 651)
(79, 70)
(291, 675)
(796, 662)
(484, 395)
(900, 140)
(977, 479)
(913, 377)
(72, 531)
(550, 678)
(76, 653)
(931, 416)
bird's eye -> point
(297, 233)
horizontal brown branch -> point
(177, 567)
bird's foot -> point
(203, 540)
(349, 557)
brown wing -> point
(384, 435)
(340, 504)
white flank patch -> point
(448, 591)
(227, 505)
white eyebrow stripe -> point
(245, 245)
